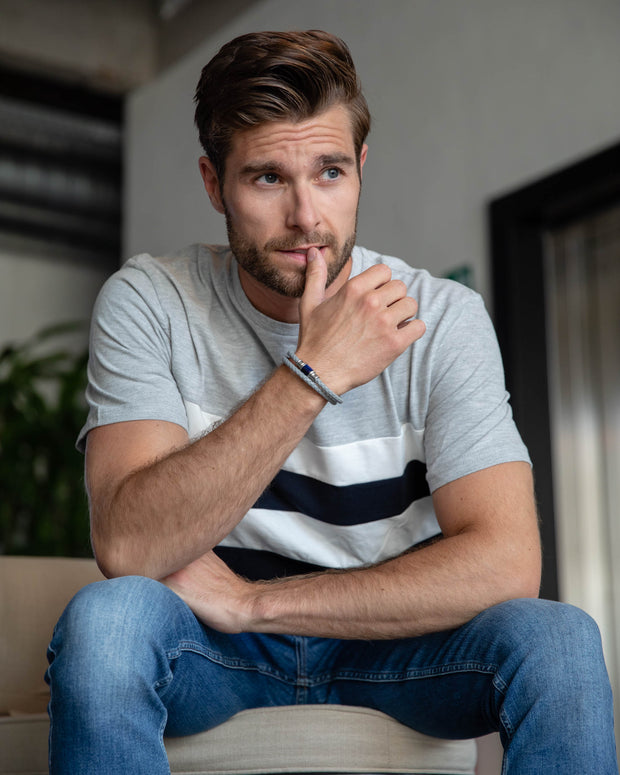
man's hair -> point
(275, 76)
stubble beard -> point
(256, 260)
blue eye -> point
(333, 173)
(269, 177)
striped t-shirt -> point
(176, 339)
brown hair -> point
(275, 76)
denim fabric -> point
(129, 661)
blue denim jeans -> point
(129, 662)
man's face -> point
(288, 187)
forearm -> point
(169, 512)
(439, 587)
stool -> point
(317, 739)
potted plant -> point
(43, 507)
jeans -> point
(129, 662)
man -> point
(301, 492)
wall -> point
(40, 286)
(469, 99)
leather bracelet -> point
(310, 377)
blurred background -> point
(494, 159)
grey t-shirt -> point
(176, 339)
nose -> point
(303, 213)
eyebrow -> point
(324, 160)
(252, 168)
(343, 159)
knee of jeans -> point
(546, 629)
(113, 615)
(111, 641)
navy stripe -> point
(258, 565)
(354, 504)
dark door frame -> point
(517, 223)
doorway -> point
(556, 273)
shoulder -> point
(156, 278)
(439, 299)
(195, 260)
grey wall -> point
(470, 98)
(37, 290)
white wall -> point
(470, 98)
(41, 286)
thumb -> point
(316, 279)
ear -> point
(211, 183)
(363, 155)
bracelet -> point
(310, 377)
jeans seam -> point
(303, 681)
(501, 687)
(407, 675)
(228, 662)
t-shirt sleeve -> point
(129, 370)
(469, 424)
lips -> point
(302, 250)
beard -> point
(256, 261)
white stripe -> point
(342, 464)
(303, 538)
(358, 461)
(198, 422)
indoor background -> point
(472, 100)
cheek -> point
(251, 215)
(342, 216)
(244, 220)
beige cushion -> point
(23, 744)
(33, 593)
(317, 738)
(303, 739)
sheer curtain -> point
(583, 341)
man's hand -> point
(352, 336)
(218, 597)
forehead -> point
(327, 132)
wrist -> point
(257, 608)
(307, 374)
(328, 373)
(305, 399)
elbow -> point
(532, 585)
(111, 559)
(116, 556)
(527, 576)
(117, 550)
(529, 588)
(127, 556)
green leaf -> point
(43, 507)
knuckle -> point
(372, 302)
(412, 306)
(352, 291)
(384, 271)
